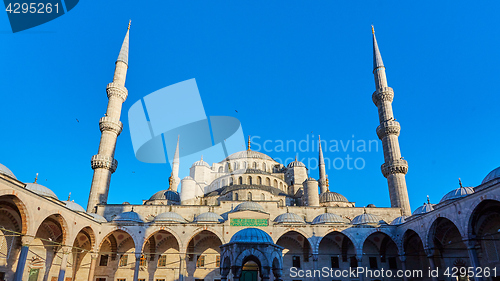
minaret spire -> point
(322, 171)
(104, 163)
(395, 167)
(174, 179)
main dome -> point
(249, 206)
(251, 235)
(295, 163)
(41, 190)
(248, 154)
(5, 171)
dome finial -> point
(36, 177)
(327, 183)
(373, 29)
(132, 208)
(69, 196)
(295, 157)
(202, 157)
(460, 182)
(248, 143)
(130, 21)
(428, 200)
(364, 210)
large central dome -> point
(248, 154)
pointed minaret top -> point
(123, 56)
(248, 143)
(377, 58)
(176, 154)
(321, 159)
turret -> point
(104, 163)
(311, 192)
(395, 167)
(188, 190)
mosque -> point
(245, 218)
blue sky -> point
(291, 70)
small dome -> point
(200, 163)
(166, 195)
(295, 163)
(331, 197)
(129, 217)
(251, 235)
(427, 207)
(169, 217)
(73, 206)
(5, 171)
(247, 154)
(97, 217)
(208, 217)
(249, 206)
(329, 218)
(41, 190)
(366, 219)
(188, 178)
(460, 192)
(310, 179)
(495, 174)
(289, 218)
(399, 220)
(370, 206)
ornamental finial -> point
(249, 143)
(69, 196)
(36, 177)
(129, 22)
(373, 29)
(428, 200)
(460, 182)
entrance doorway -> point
(250, 271)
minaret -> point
(104, 163)
(322, 173)
(395, 167)
(174, 179)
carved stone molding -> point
(114, 89)
(108, 124)
(388, 128)
(399, 166)
(101, 161)
(383, 94)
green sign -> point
(249, 222)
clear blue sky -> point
(288, 67)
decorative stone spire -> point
(395, 167)
(322, 172)
(104, 163)
(174, 179)
(249, 142)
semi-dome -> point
(251, 235)
(73, 206)
(495, 174)
(295, 163)
(208, 217)
(169, 217)
(427, 207)
(249, 206)
(6, 171)
(289, 218)
(399, 220)
(97, 217)
(41, 190)
(332, 197)
(327, 218)
(166, 195)
(366, 219)
(129, 217)
(460, 192)
(248, 154)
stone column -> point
(182, 267)
(432, 265)
(21, 262)
(474, 261)
(315, 265)
(403, 266)
(64, 262)
(93, 262)
(137, 264)
(359, 258)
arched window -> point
(281, 185)
(259, 180)
(275, 184)
(262, 197)
(226, 168)
(281, 202)
(255, 165)
(231, 181)
(240, 180)
(264, 167)
(236, 197)
(236, 166)
(223, 183)
(250, 180)
(220, 170)
(249, 196)
(244, 165)
(268, 181)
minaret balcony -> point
(109, 124)
(398, 166)
(383, 94)
(103, 162)
(117, 90)
(390, 127)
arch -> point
(445, 243)
(226, 168)
(249, 198)
(341, 241)
(483, 232)
(380, 249)
(221, 169)
(243, 257)
(240, 180)
(264, 167)
(275, 183)
(199, 231)
(249, 180)
(17, 205)
(259, 180)
(223, 182)
(268, 181)
(58, 219)
(262, 197)
(236, 196)
(413, 250)
(118, 229)
(83, 244)
(231, 181)
(151, 234)
(236, 165)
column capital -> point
(26, 240)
